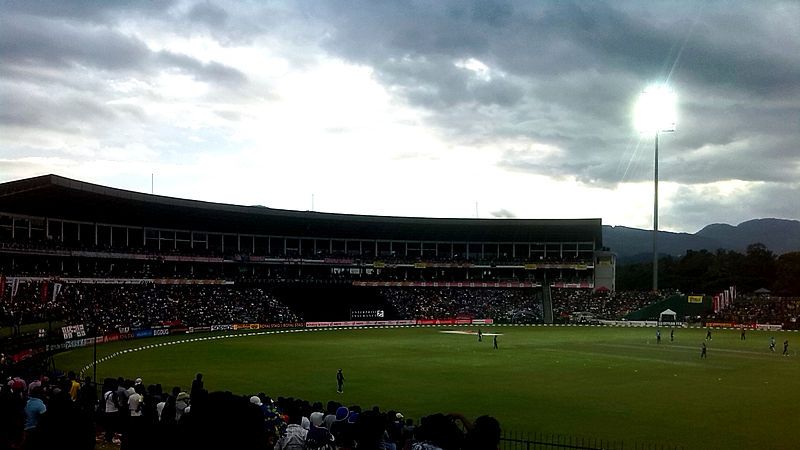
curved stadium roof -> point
(58, 197)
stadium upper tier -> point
(57, 209)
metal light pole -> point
(655, 113)
(94, 359)
(655, 218)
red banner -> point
(436, 321)
(451, 284)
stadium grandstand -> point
(68, 232)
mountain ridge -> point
(635, 244)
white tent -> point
(668, 316)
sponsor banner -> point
(198, 329)
(283, 325)
(721, 324)
(161, 331)
(221, 327)
(147, 332)
(631, 323)
(189, 281)
(463, 321)
(60, 346)
(395, 322)
(458, 284)
(178, 330)
(111, 337)
(378, 264)
(482, 321)
(584, 285)
(436, 321)
(119, 280)
(191, 258)
(695, 299)
(532, 266)
(769, 327)
(107, 280)
(77, 343)
(451, 265)
(337, 261)
(359, 323)
(367, 313)
(246, 326)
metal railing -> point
(548, 441)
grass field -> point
(610, 383)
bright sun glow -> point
(655, 110)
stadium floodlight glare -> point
(655, 113)
(655, 110)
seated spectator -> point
(295, 436)
(318, 436)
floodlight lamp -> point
(655, 110)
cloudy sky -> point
(412, 108)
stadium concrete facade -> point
(54, 225)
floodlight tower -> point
(654, 114)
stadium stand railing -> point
(545, 441)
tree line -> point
(708, 272)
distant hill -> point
(634, 245)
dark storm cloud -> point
(99, 11)
(67, 112)
(31, 41)
(209, 14)
(214, 72)
(571, 71)
(26, 40)
(57, 70)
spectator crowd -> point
(766, 310)
(62, 412)
(602, 305)
(143, 305)
(502, 305)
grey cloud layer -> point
(563, 74)
(28, 41)
(572, 71)
(62, 66)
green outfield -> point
(609, 383)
